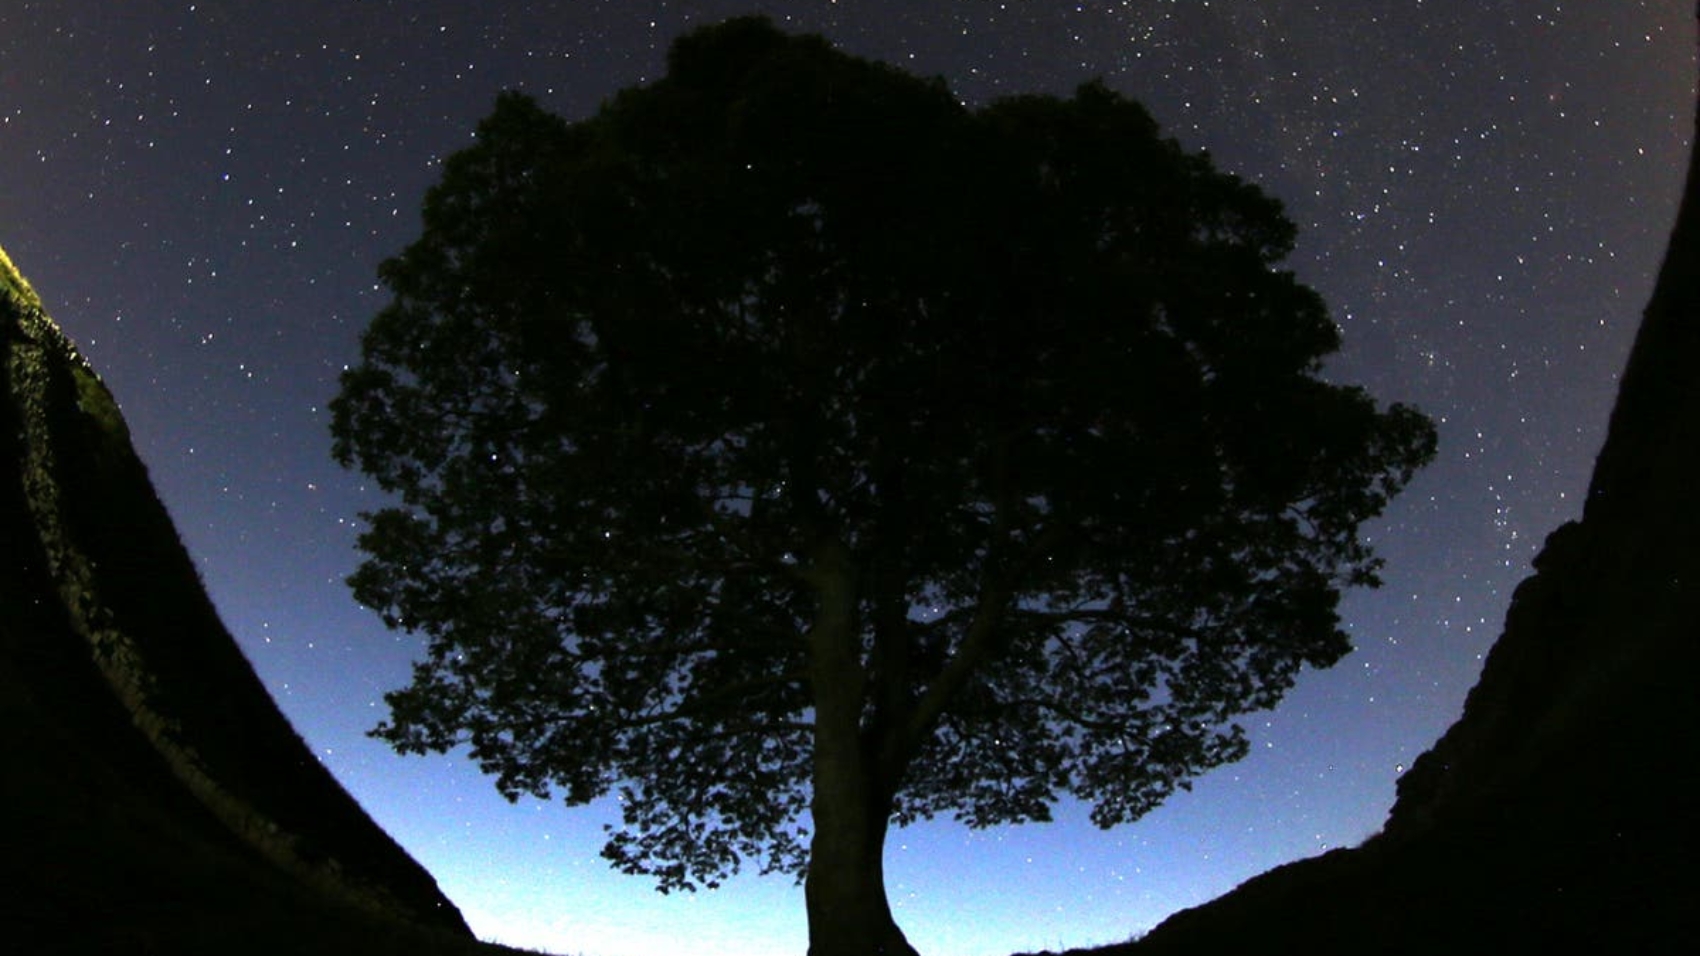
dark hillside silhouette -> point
(1558, 814)
(156, 800)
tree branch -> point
(707, 703)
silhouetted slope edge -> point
(1595, 668)
(1555, 815)
(140, 737)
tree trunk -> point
(851, 806)
(845, 890)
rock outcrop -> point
(156, 798)
(1557, 814)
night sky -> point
(201, 193)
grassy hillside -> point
(1556, 814)
(156, 799)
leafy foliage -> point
(1016, 393)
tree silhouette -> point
(796, 451)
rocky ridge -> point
(143, 746)
(1555, 815)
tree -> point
(797, 451)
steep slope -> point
(156, 798)
(1556, 814)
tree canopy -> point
(794, 450)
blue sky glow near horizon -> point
(201, 193)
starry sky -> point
(202, 191)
